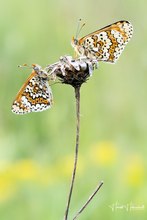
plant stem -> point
(89, 200)
(77, 96)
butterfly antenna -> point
(25, 65)
(79, 28)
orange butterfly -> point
(105, 44)
(35, 95)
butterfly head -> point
(40, 72)
(75, 42)
(36, 67)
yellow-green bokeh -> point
(37, 150)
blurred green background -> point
(37, 150)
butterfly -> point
(105, 44)
(35, 95)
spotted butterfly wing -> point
(34, 96)
(105, 44)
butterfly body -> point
(35, 95)
(105, 44)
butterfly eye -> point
(75, 41)
(36, 67)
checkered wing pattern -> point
(34, 96)
(105, 44)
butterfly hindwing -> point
(107, 43)
(34, 96)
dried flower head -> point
(72, 71)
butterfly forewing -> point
(107, 43)
(34, 96)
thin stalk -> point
(89, 200)
(77, 96)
